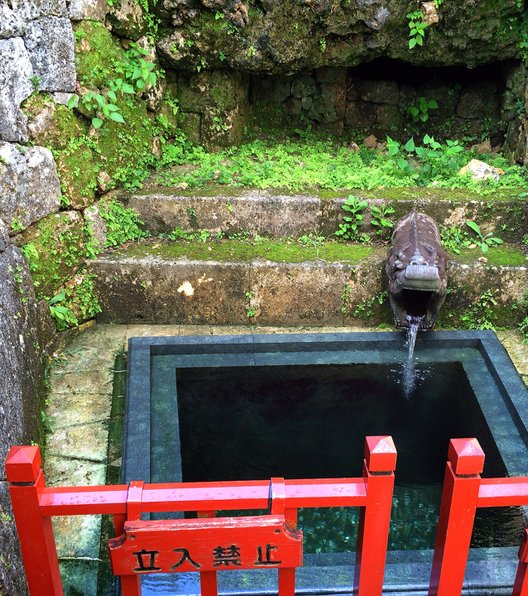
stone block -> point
(16, 72)
(71, 409)
(19, 357)
(86, 442)
(477, 101)
(49, 41)
(379, 92)
(298, 294)
(302, 86)
(59, 241)
(12, 576)
(127, 19)
(93, 10)
(29, 186)
(360, 114)
(164, 291)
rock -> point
(360, 114)
(430, 14)
(127, 19)
(370, 142)
(14, 14)
(29, 186)
(303, 86)
(15, 86)
(97, 224)
(477, 101)
(273, 89)
(49, 41)
(62, 98)
(480, 170)
(42, 122)
(4, 236)
(329, 74)
(93, 10)
(484, 147)
(21, 393)
(380, 92)
(293, 106)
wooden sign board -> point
(169, 546)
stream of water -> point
(409, 366)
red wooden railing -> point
(254, 542)
(241, 542)
(464, 490)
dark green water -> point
(244, 423)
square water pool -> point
(299, 406)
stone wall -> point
(379, 99)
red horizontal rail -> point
(214, 496)
(503, 492)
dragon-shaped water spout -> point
(417, 271)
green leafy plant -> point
(122, 224)
(63, 316)
(251, 311)
(381, 221)
(454, 239)
(417, 27)
(16, 225)
(98, 103)
(484, 241)
(479, 314)
(31, 253)
(349, 228)
(419, 111)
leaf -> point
(73, 102)
(127, 88)
(97, 122)
(58, 298)
(433, 105)
(116, 117)
(112, 108)
(409, 145)
(112, 95)
(484, 247)
(474, 227)
(412, 43)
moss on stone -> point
(58, 250)
(96, 52)
(233, 250)
(78, 167)
(500, 256)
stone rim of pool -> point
(408, 571)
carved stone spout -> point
(417, 271)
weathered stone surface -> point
(49, 41)
(300, 293)
(29, 186)
(480, 170)
(287, 36)
(59, 242)
(15, 14)
(94, 10)
(176, 291)
(12, 576)
(4, 236)
(127, 19)
(15, 85)
(259, 212)
(97, 224)
(19, 359)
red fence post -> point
(37, 543)
(520, 587)
(374, 522)
(457, 515)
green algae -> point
(500, 256)
(237, 250)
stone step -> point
(272, 213)
(169, 283)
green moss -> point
(96, 52)
(58, 250)
(122, 147)
(78, 167)
(500, 256)
(236, 250)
